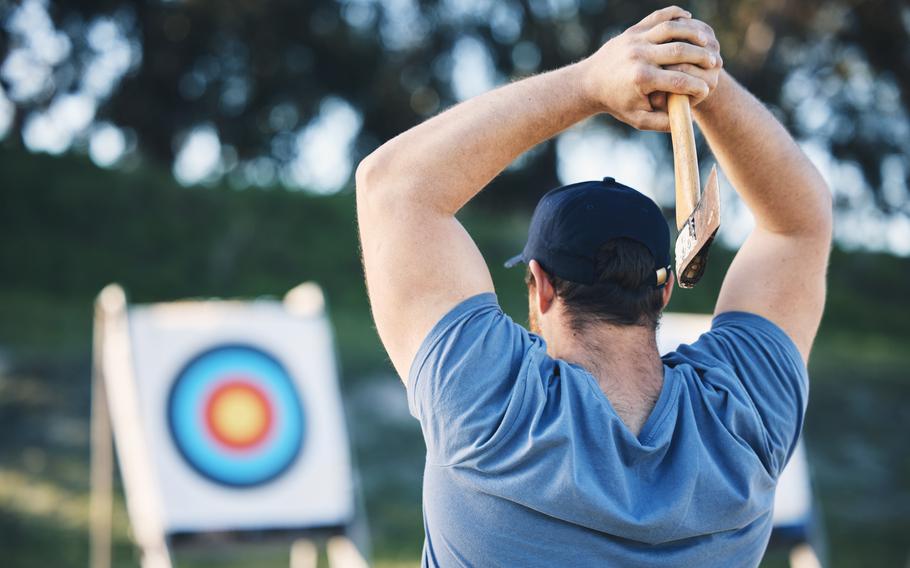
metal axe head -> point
(697, 213)
(697, 233)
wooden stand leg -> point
(102, 468)
(115, 408)
(304, 554)
(343, 553)
(156, 557)
(803, 556)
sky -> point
(322, 160)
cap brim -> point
(513, 261)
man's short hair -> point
(623, 293)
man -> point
(576, 445)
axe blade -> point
(697, 233)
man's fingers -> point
(679, 30)
(679, 52)
(663, 15)
(708, 76)
(676, 82)
(658, 100)
(654, 120)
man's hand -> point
(667, 52)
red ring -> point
(250, 387)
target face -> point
(235, 416)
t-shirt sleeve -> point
(464, 384)
(767, 366)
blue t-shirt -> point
(529, 465)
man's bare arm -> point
(779, 272)
(419, 261)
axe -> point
(697, 216)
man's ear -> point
(543, 287)
(668, 289)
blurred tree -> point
(257, 73)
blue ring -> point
(186, 416)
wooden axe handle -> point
(685, 161)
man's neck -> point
(626, 364)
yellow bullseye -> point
(238, 415)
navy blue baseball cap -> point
(571, 223)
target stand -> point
(228, 425)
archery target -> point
(240, 406)
(235, 416)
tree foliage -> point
(836, 72)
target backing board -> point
(793, 498)
(241, 412)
